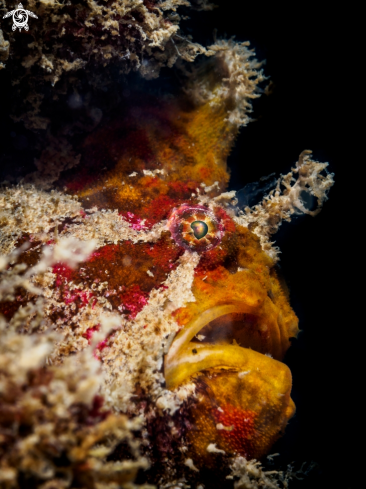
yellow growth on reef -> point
(196, 335)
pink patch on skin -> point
(64, 275)
(100, 347)
(95, 414)
(134, 299)
(63, 272)
(72, 296)
(135, 222)
(90, 331)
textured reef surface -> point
(143, 320)
(79, 45)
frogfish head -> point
(162, 165)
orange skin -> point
(243, 402)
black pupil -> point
(200, 229)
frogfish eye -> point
(200, 229)
(195, 227)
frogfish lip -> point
(186, 357)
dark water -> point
(308, 109)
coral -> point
(265, 218)
(232, 84)
(78, 45)
(27, 210)
(251, 475)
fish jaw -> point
(233, 383)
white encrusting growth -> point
(25, 209)
(189, 463)
(153, 173)
(220, 426)
(249, 474)
(211, 448)
(307, 178)
(239, 75)
(136, 354)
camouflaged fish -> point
(201, 320)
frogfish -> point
(199, 319)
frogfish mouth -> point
(233, 351)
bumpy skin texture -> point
(235, 284)
(200, 330)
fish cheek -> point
(240, 412)
(243, 395)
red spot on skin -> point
(72, 296)
(241, 432)
(133, 300)
(182, 190)
(210, 260)
(64, 275)
(83, 214)
(205, 173)
(95, 413)
(159, 209)
(164, 256)
(152, 182)
(229, 224)
(106, 253)
(136, 222)
(63, 272)
(81, 180)
(90, 331)
(100, 347)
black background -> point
(310, 58)
(309, 53)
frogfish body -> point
(204, 322)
